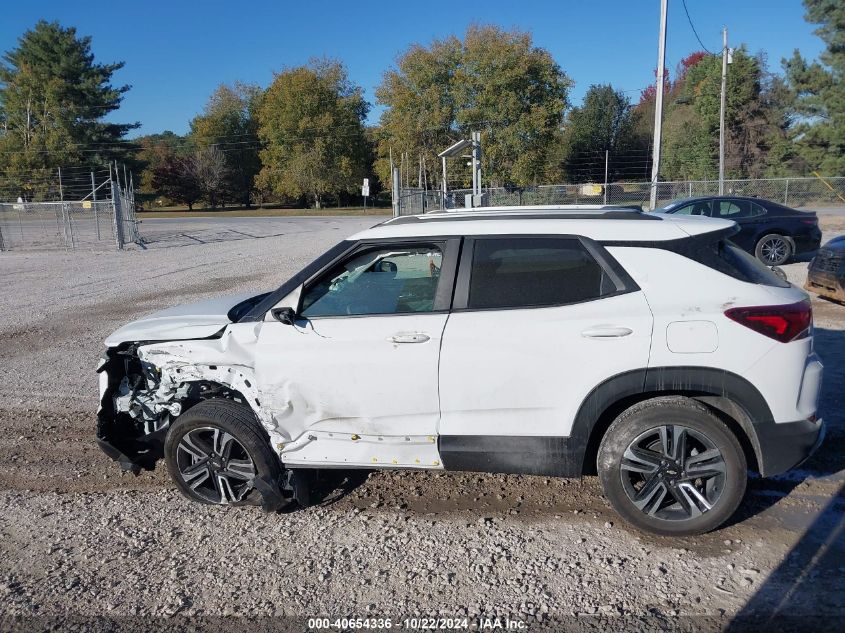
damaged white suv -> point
(539, 340)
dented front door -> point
(359, 388)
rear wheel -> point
(669, 466)
(773, 249)
(216, 451)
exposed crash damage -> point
(146, 385)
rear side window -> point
(534, 271)
(733, 209)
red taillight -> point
(782, 323)
(813, 221)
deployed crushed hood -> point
(195, 320)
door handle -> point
(409, 337)
(607, 332)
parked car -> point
(826, 275)
(772, 232)
(539, 340)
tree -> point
(53, 100)
(819, 91)
(311, 121)
(229, 122)
(691, 123)
(604, 123)
(494, 81)
(206, 166)
(154, 151)
(175, 179)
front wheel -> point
(216, 453)
(773, 249)
(670, 467)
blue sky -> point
(177, 52)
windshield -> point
(669, 207)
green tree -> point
(819, 91)
(53, 100)
(494, 81)
(229, 122)
(691, 123)
(311, 122)
(154, 151)
(605, 122)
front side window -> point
(533, 271)
(696, 208)
(377, 281)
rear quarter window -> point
(746, 267)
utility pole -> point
(725, 53)
(476, 163)
(658, 104)
(396, 185)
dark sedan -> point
(826, 275)
(770, 231)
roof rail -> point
(539, 212)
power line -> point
(692, 26)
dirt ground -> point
(81, 543)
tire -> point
(216, 450)
(774, 249)
(654, 489)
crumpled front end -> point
(130, 427)
(144, 387)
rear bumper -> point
(808, 243)
(788, 444)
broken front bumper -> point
(135, 456)
(117, 434)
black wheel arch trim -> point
(725, 391)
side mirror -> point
(284, 315)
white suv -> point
(536, 340)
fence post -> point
(606, 160)
(115, 204)
(94, 202)
(136, 235)
(61, 207)
(786, 192)
(65, 214)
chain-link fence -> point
(103, 219)
(794, 192)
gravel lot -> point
(78, 539)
